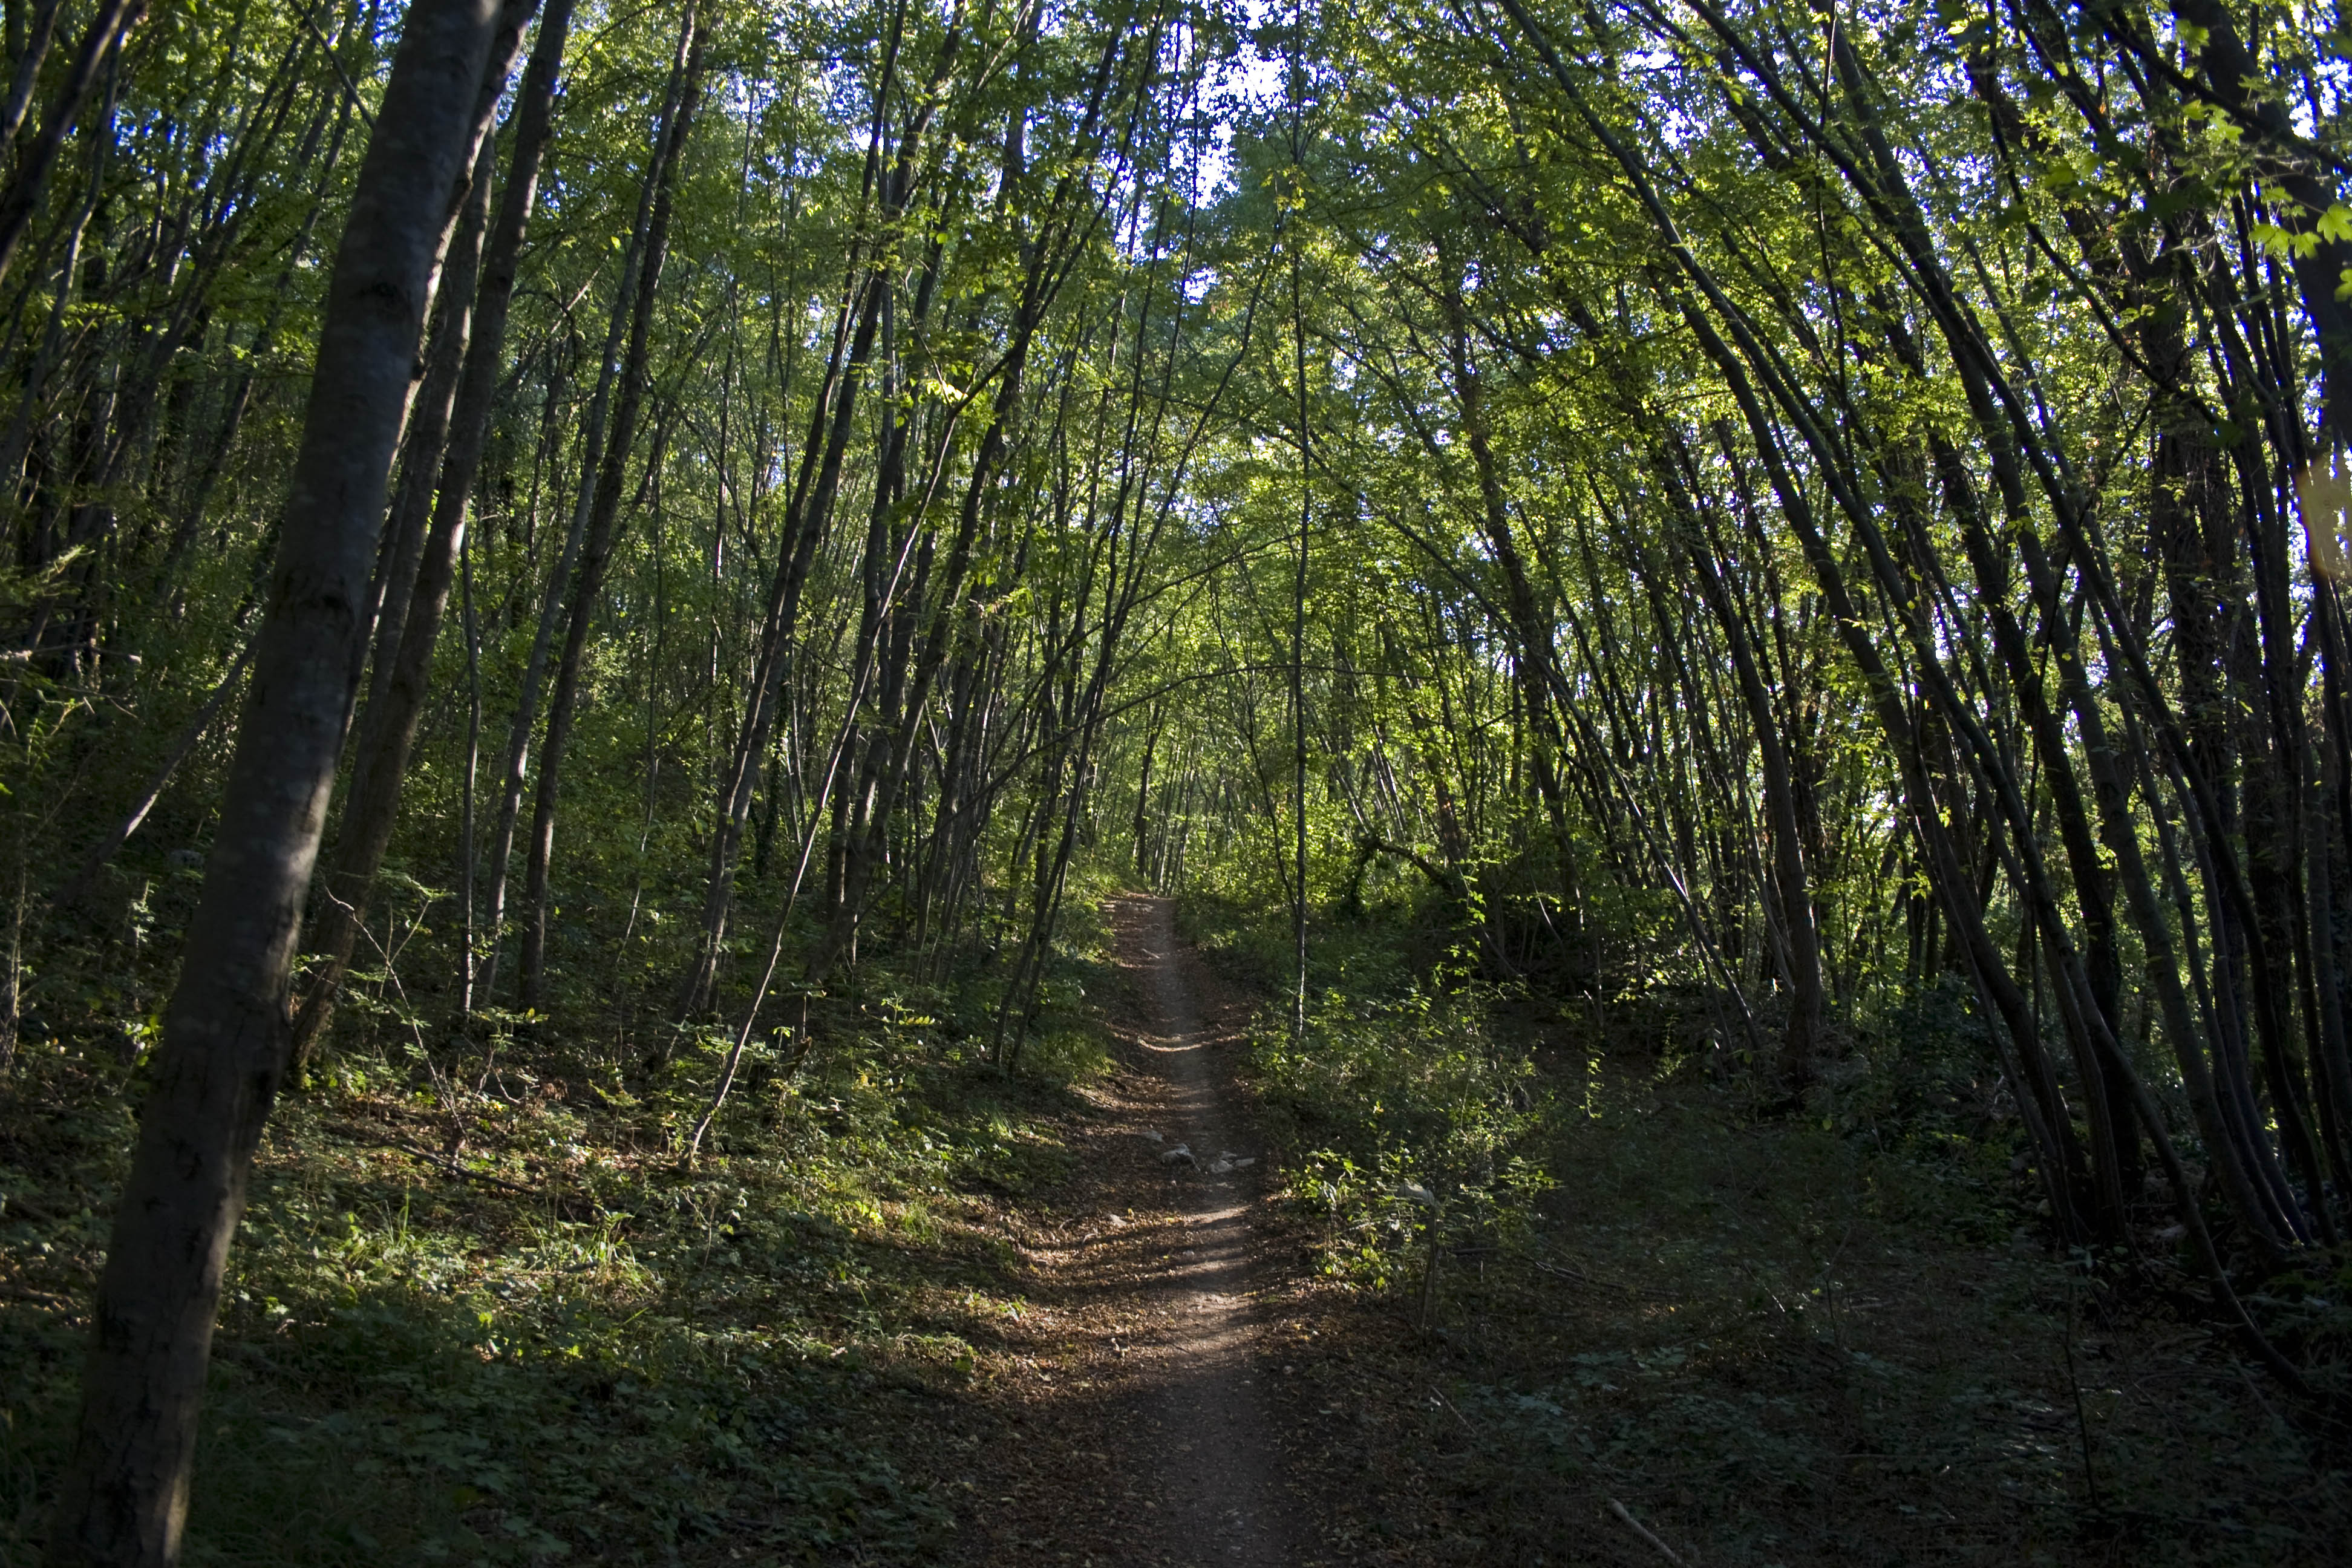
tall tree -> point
(603, 501)
(389, 728)
(225, 1034)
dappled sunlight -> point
(1151, 1289)
(1161, 782)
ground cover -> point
(545, 1339)
(1839, 1336)
(910, 1309)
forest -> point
(1168, 780)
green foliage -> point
(1789, 1341)
(1367, 444)
(1410, 1118)
(567, 1348)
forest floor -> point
(1724, 1340)
(911, 1311)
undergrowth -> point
(1409, 1118)
(480, 1311)
(1799, 1340)
(1585, 1270)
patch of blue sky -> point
(1251, 83)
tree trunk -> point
(225, 1034)
(514, 773)
(393, 713)
(604, 517)
(808, 516)
(22, 195)
(1800, 1038)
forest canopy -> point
(663, 546)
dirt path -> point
(1149, 1432)
(1221, 1465)
(1753, 1339)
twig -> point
(27, 1208)
(15, 1292)
(1573, 1276)
(726, 1075)
(1428, 1271)
(350, 88)
(185, 747)
(451, 1166)
(1590, 1282)
(1439, 1394)
(2074, 1386)
(1636, 1526)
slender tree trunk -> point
(403, 547)
(390, 730)
(224, 1036)
(1299, 633)
(515, 773)
(808, 515)
(604, 512)
(1802, 1038)
(1143, 791)
(21, 198)
(468, 826)
(28, 45)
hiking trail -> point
(1149, 1428)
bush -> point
(1406, 1115)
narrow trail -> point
(1149, 1425)
(1722, 1338)
(1222, 1465)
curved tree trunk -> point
(1800, 1038)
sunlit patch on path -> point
(1149, 1427)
